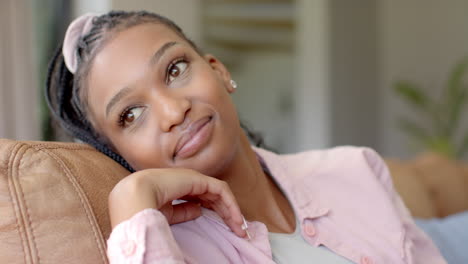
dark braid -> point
(63, 106)
(66, 93)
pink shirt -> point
(343, 198)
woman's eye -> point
(129, 116)
(176, 69)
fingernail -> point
(245, 227)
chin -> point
(211, 162)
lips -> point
(193, 138)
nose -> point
(172, 110)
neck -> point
(258, 196)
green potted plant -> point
(443, 135)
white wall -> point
(81, 7)
(189, 18)
(19, 115)
(353, 67)
(420, 40)
(285, 94)
(312, 93)
(185, 13)
(264, 100)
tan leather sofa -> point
(53, 202)
(431, 185)
(53, 199)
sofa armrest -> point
(431, 185)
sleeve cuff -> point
(147, 230)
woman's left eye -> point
(176, 69)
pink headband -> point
(77, 29)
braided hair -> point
(66, 93)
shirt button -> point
(366, 260)
(310, 229)
(128, 248)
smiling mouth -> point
(194, 138)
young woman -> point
(135, 87)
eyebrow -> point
(125, 91)
(158, 55)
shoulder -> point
(336, 154)
(338, 167)
(339, 187)
(333, 160)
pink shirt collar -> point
(306, 204)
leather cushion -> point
(431, 184)
(53, 202)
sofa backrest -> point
(431, 184)
(53, 202)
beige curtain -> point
(19, 89)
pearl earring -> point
(233, 84)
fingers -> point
(222, 201)
(219, 198)
(183, 212)
(212, 193)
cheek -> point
(141, 149)
(214, 92)
(212, 89)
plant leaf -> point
(455, 96)
(419, 100)
(413, 130)
(461, 152)
(412, 94)
(443, 146)
(456, 78)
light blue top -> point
(293, 249)
(450, 234)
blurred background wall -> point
(421, 41)
(311, 73)
(19, 87)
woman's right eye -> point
(129, 115)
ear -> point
(221, 70)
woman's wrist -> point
(130, 196)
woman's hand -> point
(157, 188)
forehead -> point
(124, 60)
(136, 40)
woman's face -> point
(161, 104)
